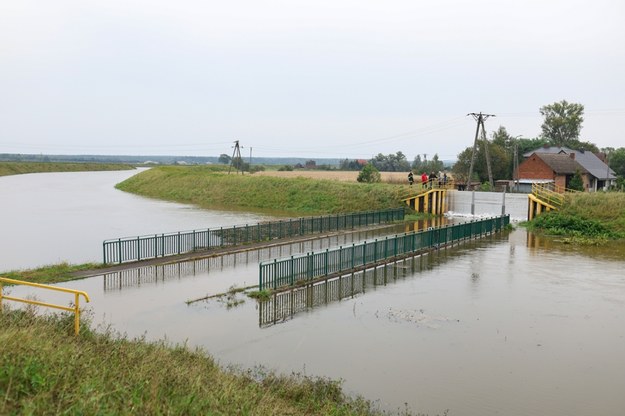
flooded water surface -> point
(507, 325)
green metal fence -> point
(123, 250)
(295, 270)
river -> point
(508, 325)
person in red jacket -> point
(424, 180)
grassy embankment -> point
(17, 168)
(47, 370)
(586, 218)
(54, 273)
(297, 196)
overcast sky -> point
(320, 78)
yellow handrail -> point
(548, 195)
(75, 309)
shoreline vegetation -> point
(19, 168)
(585, 218)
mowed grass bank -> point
(202, 186)
(17, 168)
(53, 273)
(595, 216)
(48, 371)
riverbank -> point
(18, 168)
(104, 373)
(202, 186)
(586, 218)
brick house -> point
(559, 164)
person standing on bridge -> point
(432, 178)
(424, 180)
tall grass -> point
(16, 168)
(47, 371)
(203, 187)
(596, 215)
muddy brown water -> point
(511, 324)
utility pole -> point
(250, 158)
(479, 117)
(515, 166)
(236, 153)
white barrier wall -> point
(487, 204)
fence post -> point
(326, 263)
(472, 201)
(119, 249)
(503, 202)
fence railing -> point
(123, 250)
(76, 293)
(550, 194)
(295, 270)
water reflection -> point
(283, 306)
(135, 277)
(610, 250)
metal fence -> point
(308, 267)
(123, 250)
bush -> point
(369, 174)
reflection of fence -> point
(305, 268)
(129, 249)
(75, 309)
(284, 305)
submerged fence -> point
(308, 267)
(122, 250)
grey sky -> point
(301, 78)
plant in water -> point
(261, 295)
(230, 297)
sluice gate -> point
(286, 273)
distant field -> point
(343, 176)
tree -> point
(501, 138)
(369, 174)
(617, 161)
(391, 163)
(417, 164)
(224, 158)
(501, 166)
(434, 165)
(576, 183)
(354, 164)
(563, 122)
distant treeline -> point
(162, 160)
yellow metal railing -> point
(547, 194)
(75, 308)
